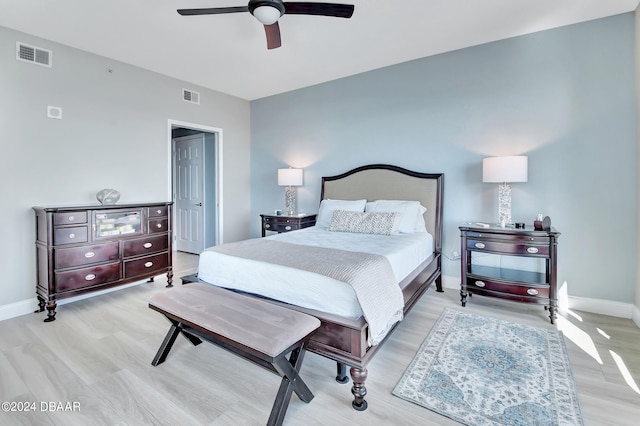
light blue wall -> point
(564, 97)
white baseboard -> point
(30, 305)
(595, 306)
(18, 308)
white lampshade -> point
(505, 169)
(267, 15)
(289, 177)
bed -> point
(351, 331)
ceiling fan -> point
(269, 11)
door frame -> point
(217, 143)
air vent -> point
(35, 55)
(191, 96)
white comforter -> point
(404, 251)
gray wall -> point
(114, 134)
(564, 97)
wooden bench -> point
(256, 330)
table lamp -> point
(290, 178)
(504, 170)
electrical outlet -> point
(455, 255)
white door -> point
(189, 197)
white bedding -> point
(404, 251)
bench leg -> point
(170, 339)
(291, 381)
(342, 377)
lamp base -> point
(504, 204)
(290, 198)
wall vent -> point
(35, 55)
(191, 96)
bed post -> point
(359, 375)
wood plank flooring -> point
(98, 355)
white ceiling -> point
(228, 52)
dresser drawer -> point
(69, 218)
(158, 211)
(85, 255)
(158, 225)
(485, 284)
(519, 248)
(145, 245)
(70, 235)
(146, 265)
(87, 277)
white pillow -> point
(327, 207)
(365, 223)
(411, 213)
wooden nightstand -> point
(511, 284)
(285, 223)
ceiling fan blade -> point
(273, 36)
(213, 11)
(324, 9)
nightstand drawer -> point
(281, 226)
(508, 237)
(483, 284)
(87, 277)
(504, 247)
(86, 255)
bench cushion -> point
(254, 323)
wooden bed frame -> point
(345, 340)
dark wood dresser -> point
(83, 249)
(526, 286)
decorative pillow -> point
(327, 207)
(385, 223)
(411, 213)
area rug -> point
(479, 370)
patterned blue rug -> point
(479, 370)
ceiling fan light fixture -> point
(267, 15)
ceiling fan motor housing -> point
(276, 4)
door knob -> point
(199, 204)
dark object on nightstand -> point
(505, 283)
(285, 223)
(542, 225)
(519, 225)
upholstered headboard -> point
(385, 182)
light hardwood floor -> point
(98, 355)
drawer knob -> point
(158, 211)
(479, 245)
(148, 264)
(71, 218)
(90, 277)
(532, 291)
(72, 236)
(532, 250)
(159, 225)
(287, 228)
(147, 245)
(480, 283)
(267, 226)
(89, 254)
